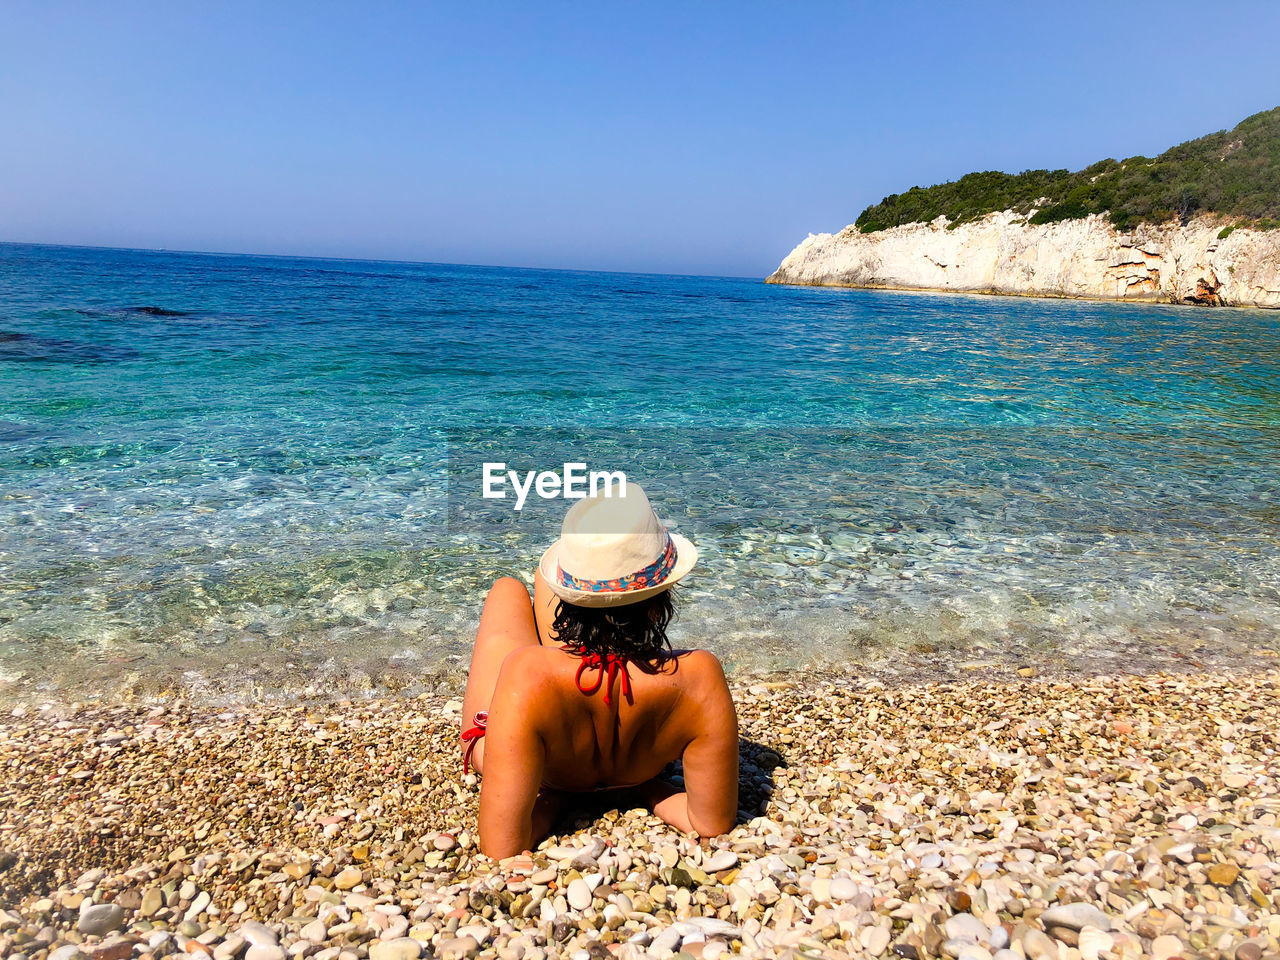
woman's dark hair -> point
(637, 631)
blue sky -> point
(677, 138)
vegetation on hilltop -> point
(1234, 173)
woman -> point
(579, 690)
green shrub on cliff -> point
(1233, 172)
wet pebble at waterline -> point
(1092, 819)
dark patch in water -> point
(24, 348)
(157, 311)
(11, 432)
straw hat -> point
(614, 551)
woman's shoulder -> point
(529, 675)
(700, 663)
(704, 671)
(531, 662)
(697, 672)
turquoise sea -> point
(246, 475)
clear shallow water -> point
(252, 479)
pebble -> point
(1039, 946)
(1065, 935)
(720, 861)
(99, 919)
(1223, 874)
(586, 858)
(198, 906)
(1166, 946)
(579, 894)
(348, 878)
(264, 951)
(875, 940)
(842, 888)
(458, 947)
(118, 949)
(1074, 916)
(152, 900)
(1094, 942)
(401, 948)
(965, 926)
(668, 939)
(476, 931)
(255, 933)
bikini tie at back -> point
(607, 666)
(472, 736)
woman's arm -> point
(668, 803)
(513, 814)
(708, 806)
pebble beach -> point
(987, 818)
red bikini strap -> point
(472, 736)
(607, 667)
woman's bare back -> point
(606, 738)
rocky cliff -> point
(1002, 254)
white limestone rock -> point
(1003, 254)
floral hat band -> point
(651, 575)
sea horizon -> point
(401, 261)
